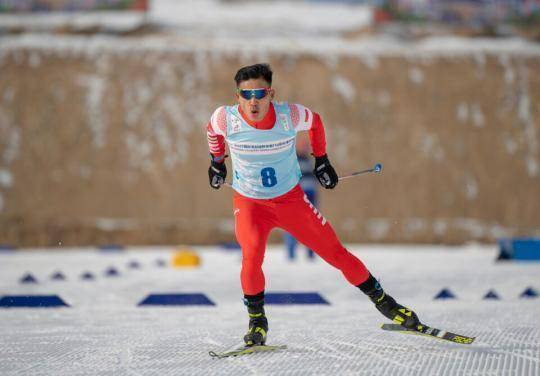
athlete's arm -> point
(215, 134)
(216, 143)
(306, 120)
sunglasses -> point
(247, 94)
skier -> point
(261, 136)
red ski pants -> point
(255, 218)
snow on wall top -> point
(322, 46)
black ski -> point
(428, 331)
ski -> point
(244, 350)
(428, 331)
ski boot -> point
(386, 305)
(258, 324)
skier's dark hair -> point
(253, 72)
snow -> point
(10, 140)
(528, 124)
(96, 88)
(258, 18)
(262, 28)
(105, 333)
(344, 88)
(366, 49)
(9, 147)
(6, 178)
(206, 17)
(471, 187)
(462, 112)
(416, 75)
(477, 115)
(109, 21)
(378, 228)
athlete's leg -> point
(300, 218)
(304, 222)
(312, 197)
(253, 222)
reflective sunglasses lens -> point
(257, 93)
(246, 94)
(260, 93)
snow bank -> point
(370, 47)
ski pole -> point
(377, 168)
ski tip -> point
(465, 341)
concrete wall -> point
(111, 147)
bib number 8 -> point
(268, 175)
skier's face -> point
(254, 97)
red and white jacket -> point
(303, 120)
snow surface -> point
(105, 333)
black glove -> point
(325, 172)
(217, 172)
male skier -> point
(261, 135)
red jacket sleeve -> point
(216, 142)
(317, 136)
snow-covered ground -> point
(104, 332)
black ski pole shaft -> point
(377, 168)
